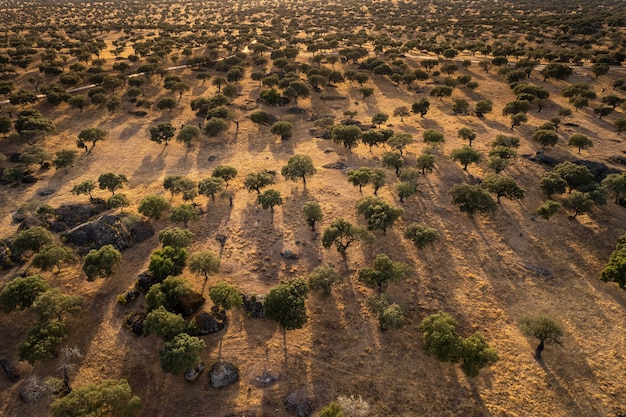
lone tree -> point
(359, 177)
(378, 213)
(269, 199)
(112, 182)
(323, 278)
(64, 159)
(342, 234)
(431, 136)
(211, 186)
(393, 160)
(176, 237)
(421, 235)
(184, 214)
(465, 156)
(544, 328)
(421, 107)
(153, 206)
(225, 296)
(299, 167)
(548, 209)
(425, 162)
(312, 212)
(614, 270)
(472, 199)
(546, 137)
(258, 180)
(503, 186)
(580, 141)
(382, 272)
(467, 134)
(21, 292)
(85, 187)
(111, 397)
(400, 141)
(32, 239)
(102, 262)
(282, 128)
(52, 256)
(225, 172)
(205, 263)
(54, 305)
(187, 134)
(285, 304)
(93, 135)
(181, 353)
(578, 203)
(346, 135)
(616, 184)
(168, 261)
(163, 132)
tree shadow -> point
(149, 170)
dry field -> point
(476, 270)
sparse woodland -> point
(276, 208)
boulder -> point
(337, 165)
(542, 158)
(134, 322)
(253, 306)
(71, 215)
(223, 374)
(145, 280)
(121, 231)
(289, 254)
(265, 378)
(299, 403)
(207, 324)
(598, 169)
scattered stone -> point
(296, 110)
(71, 215)
(474, 180)
(253, 306)
(541, 271)
(145, 280)
(570, 124)
(337, 165)
(10, 370)
(265, 379)
(288, 254)
(212, 158)
(29, 179)
(31, 221)
(299, 403)
(542, 158)
(327, 151)
(193, 374)
(45, 192)
(207, 324)
(134, 322)
(223, 374)
(350, 122)
(138, 113)
(617, 159)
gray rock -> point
(253, 306)
(9, 369)
(265, 379)
(598, 169)
(45, 192)
(121, 231)
(145, 280)
(337, 165)
(289, 254)
(299, 403)
(223, 374)
(134, 322)
(207, 324)
(193, 374)
(74, 214)
(542, 158)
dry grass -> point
(475, 271)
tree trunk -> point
(539, 349)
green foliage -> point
(503, 186)
(616, 184)
(258, 180)
(580, 141)
(426, 162)
(379, 214)
(181, 353)
(167, 261)
(102, 262)
(166, 324)
(42, 342)
(542, 327)
(476, 354)
(405, 190)
(472, 199)
(578, 203)
(546, 137)
(21, 292)
(432, 136)
(285, 303)
(187, 134)
(391, 317)
(225, 172)
(380, 118)
(183, 213)
(574, 175)
(118, 201)
(153, 206)
(548, 209)
(85, 187)
(467, 134)
(93, 135)
(298, 167)
(167, 293)
(552, 183)
(312, 212)
(176, 237)
(53, 305)
(283, 129)
(269, 199)
(393, 160)
(400, 141)
(359, 177)
(33, 239)
(421, 107)
(163, 132)
(112, 182)
(52, 256)
(109, 398)
(421, 235)
(342, 234)
(346, 135)
(332, 410)
(225, 296)
(204, 262)
(64, 158)
(215, 125)
(382, 272)
(465, 156)
(517, 119)
(614, 270)
(440, 338)
(323, 278)
(211, 186)
(483, 107)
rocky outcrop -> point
(253, 306)
(299, 403)
(121, 231)
(207, 324)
